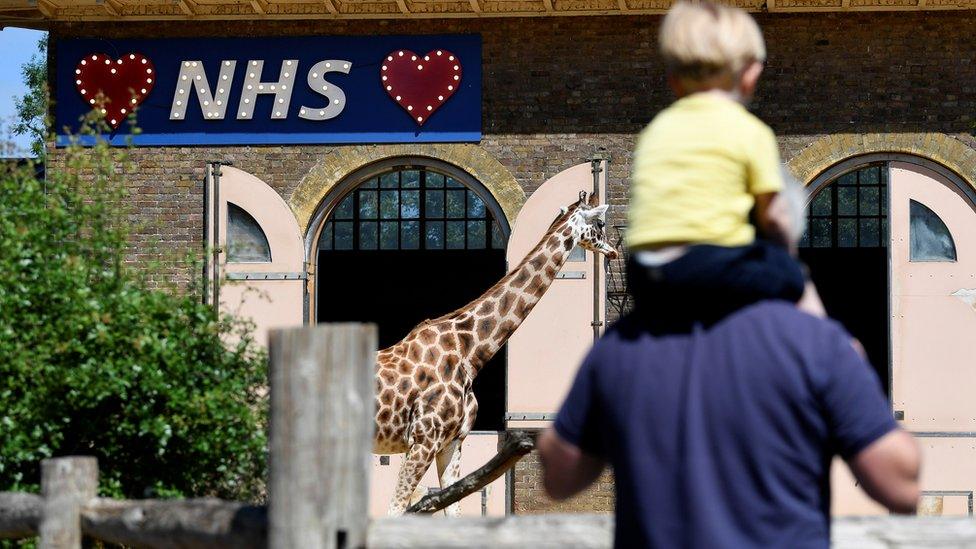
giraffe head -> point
(587, 220)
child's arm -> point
(774, 219)
(766, 183)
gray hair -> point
(794, 196)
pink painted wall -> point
(933, 323)
(932, 329)
(476, 450)
(546, 350)
(269, 303)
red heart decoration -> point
(420, 85)
(123, 83)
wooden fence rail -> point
(189, 523)
(321, 425)
(214, 523)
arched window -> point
(246, 241)
(850, 212)
(411, 209)
(930, 239)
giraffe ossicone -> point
(425, 406)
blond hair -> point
(704, 41)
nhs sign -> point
(250, 91)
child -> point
(700, 167)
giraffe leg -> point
(419, 493)
(415, 464)
(449, 471)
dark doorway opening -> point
(846, 249)
(409, 245)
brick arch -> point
(337, 166)
(937, 147)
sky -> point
(17, 45)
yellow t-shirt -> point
(697, 167)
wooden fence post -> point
(321, 435)
(66, 485)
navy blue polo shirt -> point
(723, 437)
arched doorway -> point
(409, 239)
(846, 248)
(875, 222)
(897, 233)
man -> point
(722, 436)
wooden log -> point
(321, 435)
(186, 524)
(20, 514)
(67, 484)
(517, 444)
(536, 531)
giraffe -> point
(424, 403)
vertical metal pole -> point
(596, 167)
(215, 170)
(207, 182)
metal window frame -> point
(357, 177)
(833, 186)
(423, 218)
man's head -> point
(710, 46)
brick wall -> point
(557, 89)
(529, 497)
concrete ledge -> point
(596, 531)
(897, 532)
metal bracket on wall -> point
(575, 275)
(968, 494)
(266, 276)
(530, 416)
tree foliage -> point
(32, 108)
(162, 390)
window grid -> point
(850, 211)
(411, 209)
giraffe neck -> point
(495, 315)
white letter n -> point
(192, 81)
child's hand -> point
(811, 303)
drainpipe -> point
(597, 163)
(205, 274)
(215, 174)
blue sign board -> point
(237, 91)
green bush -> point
(93, 361)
